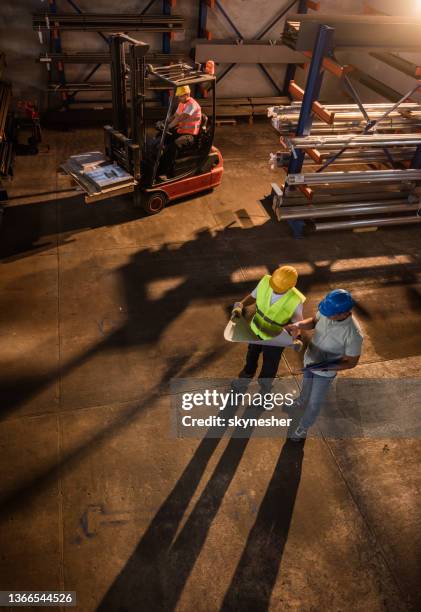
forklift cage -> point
(125, 141)
(177, 75)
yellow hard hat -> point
(283, 278)
(182, 91)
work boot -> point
(299, 434)
(296, 405)
(245, 374)
(265, 385)
(241, 383)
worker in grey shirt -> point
(337, 338)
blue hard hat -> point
(336, 302)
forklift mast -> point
(125, 140)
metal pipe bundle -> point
(345, 111)
(355, 136)
(368, 176)
(348, 119)
(354, 141)
(353, 156)
(342, 194)
(357, 223)
(369, 155)
(112, 22)
(370, 106)
(319, 128)
(347, 210)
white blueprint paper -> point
(239, 331)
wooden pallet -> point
(220, 122)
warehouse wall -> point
(22, 45)
(384, 73)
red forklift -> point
(129, 163)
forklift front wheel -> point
(154, 202)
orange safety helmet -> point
(283, 279)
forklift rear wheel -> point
(154, 202)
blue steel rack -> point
(313, 85)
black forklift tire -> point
(154, 201)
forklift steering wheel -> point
(160, 127)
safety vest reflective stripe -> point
(260, 313)
(191, 124)
(269, 318)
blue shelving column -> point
(311, 94)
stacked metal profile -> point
(348, 118)
(396, 197)
(353, 136)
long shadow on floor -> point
(155, 575)
(254, 579)
(35, 485)
(212, 253)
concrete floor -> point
(100, 307)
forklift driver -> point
(184, 126)
(186, 119)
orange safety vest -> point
(191, 124)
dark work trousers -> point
(173, 143)
(271, 358)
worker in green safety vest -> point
(278, 302)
